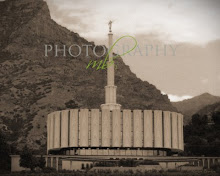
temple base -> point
(110, 106)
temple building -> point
(113, 131)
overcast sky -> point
(191, 27)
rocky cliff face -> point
(33, 85)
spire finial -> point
(110, 25)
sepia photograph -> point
(109, 88)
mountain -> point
(191, 106)
(33, 85)
(209, 109)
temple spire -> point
(110, 89)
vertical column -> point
(94, 127)
(179, 118)
(106, 128)
(57, 163)
(167, 129)
(126, 128)
(51, 162)
(46, 160)
(110, 94)
(158, 142)
(64, 128)
(203, 162)
(84, 127)
(71, 165)
(51, 130)
(116, 128)
(110, 69)
(174, 130)
(208, 159)
(48, 131)
(57, 129)
(182, 135)
(138, 136)
(110, 89)
(74, 116)
(148, 128)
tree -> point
(4, 153)
(41, 162)
(71, 104)
(202, 138)
(216, 117)
(197, 120)
(27, 159)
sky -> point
(178, 41)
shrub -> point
(216, 167)
(49, 170)
(71, 104)
(127, 163)
(148, 162)
(172, 170)
(41, 162)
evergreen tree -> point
(4, 153)
(27, 159)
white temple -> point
(112, 131)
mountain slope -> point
(33, 85)
(191, 106)
(209, 109)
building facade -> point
(115, 132)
